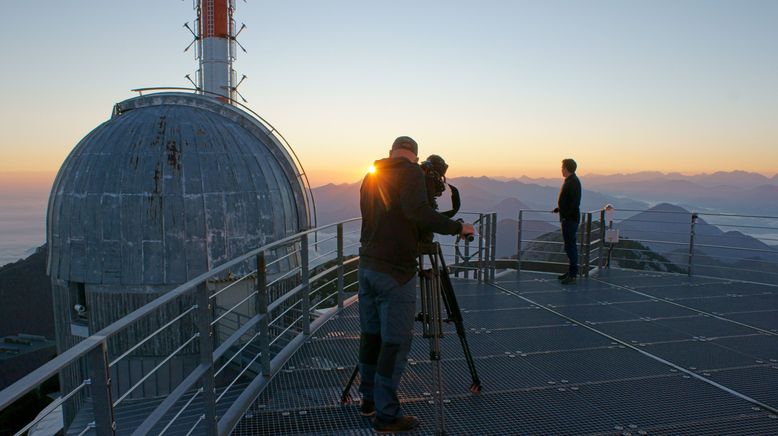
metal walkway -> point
(623, 352)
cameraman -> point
(395, 214)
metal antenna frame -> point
(196, 37)
(193, 83)
(235, 38)
(235, 89)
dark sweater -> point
(570, 199)
(395, 213)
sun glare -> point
(371, 169)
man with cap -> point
(395, 213)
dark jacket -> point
(395, 213)
(570, 199)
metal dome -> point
(171, 185)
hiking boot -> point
(562, 277)
(399, 425)
(569, 280)
(367, 408)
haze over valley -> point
(22, 217)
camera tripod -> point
(436, 288)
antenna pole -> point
(215, 31)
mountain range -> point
(626, 192)
(738, 179)
(478, 194)
(738, 192)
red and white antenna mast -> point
(216, 42)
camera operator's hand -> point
(467, 230)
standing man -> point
(395, 213)
(569, 215)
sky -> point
(498, 88)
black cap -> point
(406, 143)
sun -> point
(371, 169)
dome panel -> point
(171, 185)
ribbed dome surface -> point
(171, 185)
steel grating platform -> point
(623, 353)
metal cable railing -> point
(244, 329)
(658, 240)
(56, 403)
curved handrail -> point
(52, 367)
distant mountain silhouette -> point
(491, 191)
(738, 192)
(742, 179)
(479, 194)
(508, 208)
(757, 200)
(665, 226)
(735, 179)
(336, 202)
(542, 181)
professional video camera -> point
(434, 169)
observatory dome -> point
(172, 185)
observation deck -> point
(623, 352)
(680, 340)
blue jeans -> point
(569, 229)
(387, 311)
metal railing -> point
(730, 246)
(479, 256)
(540, 246)
(237, 323)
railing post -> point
(214, 314)
(588, 242)
(488, 246)
(264, 329)
(457, 258)
(581, 237)
(493, 263)
(601, 262)
(204, 319)
(100, 389)
(306, 297)
(467, 259)
(691, 244)
(340, 266)
(518, 243)
(480, 270)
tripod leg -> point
(436, 327)
(345, 398)
(455, 316)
